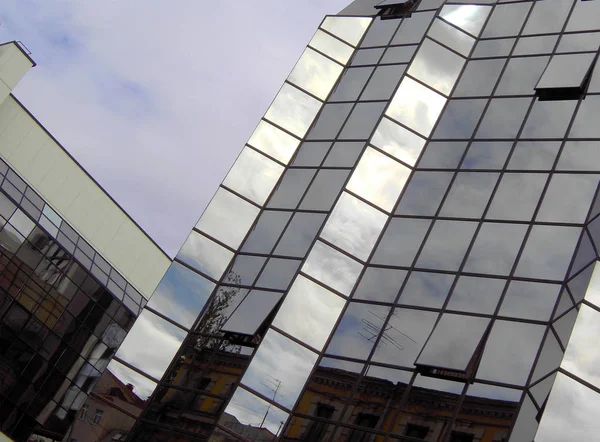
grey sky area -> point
(154, 99)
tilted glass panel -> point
(566, 71)
(452, 37)
(252, 312)
(364, 57)
(351, 84)
(379, 284)
(426, 289)
(479, 78)
(398, 141)
(521, 76)
(469, 18)
(476, 295)
(287, 360)
(204, 255)
(424, 193)
(291, 188)
(469, 194)
(592, 293)
(416, 106)
(535, 45)
(506, 20)
(548, 119)
(245, 268)
(324, 189)
(442, 155)
(379, 179)
(253, 175)
(181, 294)
(453, 341)
(503, 118)
(383, 83)
(585, 125)
(398, 54)
(309, 312)
(579, 155)
(217, 312)
(311, 153)
(446, 245)
(582, 356)
(274, 142)
(459, 119)
(329, 121)
(332, 268)
(331, 46)
(227, 218)
(547, 17)
(380, 33)
(584, 16)
(517, 196)
(300, 234)
(579, 42)
(534, 155)
(293, 110)
(142, 386)
(344, 154)
(557, 207)
(362, 121)
(493, 48)
(401, 241)
(278, 273)
(486, 155)
(529, 300)
(266, 232)
(315, 73)
(413, 29)
(350, 29)
(354, 226)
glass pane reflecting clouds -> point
(451, 37)
(266, 232)
(350, 29)
(401, 241)
(416, 106)
(426, 289)
(309, 312)
(470, 18)
(398, 141)
(530, 300)
(165, 339)
(253, 175)
(181, 294)
(354, 226)
(205, 255)
(332, 268)
(274, 142)
(436, 66)
(293, 110)
(379, 284)
(290, 362)
(315, 73)
(300, 234)
(378, 179)
(251, 312)
(446, 245)
(582, 355)
(142, 386)
(476, 295)
(331, 46)
(227, 218)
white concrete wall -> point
(14, 64)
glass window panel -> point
(181, 294)
(278, 273)
(459, 119)
(413, 30)
(579, 155)
(547, 17)
(251, 312)
(247, 411)
(581, 355)
(311, 153)
(442, 155)
(357, 331)
(266, 231)
(309, 312)
(291, 188)
(380, 33)
(290, 362)
(503, 118)
(245, 268)
(332, 268)
(367, 56)
(380, 285)
(510, 351)
(253, 175)
(274, 142)
(416, 106)
(583, 17)
(426, 289)
(404, 336)
(300, 234)
(354, 226)
(469, 194)
(534, 155)
(451, 37)
(446, 245)
(151, 359)
(331, 46)
(401, 241)
(436, 66)
(566, 70)
(10, 239)
(378, 178)
(585, 124)
(495, 249)
(548, 252)
(586, 253)
(563, 326)
(486, 155)
(22, 223)
(350, 29)
(293, 110)
(592, 292)
(344, 154)
(479, 78)
(424, 193)
(535, 45)
(453, 342)
(399, 54)
(205, 255)
(494, 48)
(7, 207)
(227, 218)
(548, 119)
(315, 73)
(142, 386)
(470, 18)
(517, 196)
(223, 303)
(324, 189)
(362, 121)
(579, 42)
(476, 295)
(521, 75)
(550, 357)
(568, 198)
(329, 121)
(506, 20)
(351, 84)
(529, 300)
(398, 141)
(383, 82)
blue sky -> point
(157, 100)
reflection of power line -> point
(276, 385)
(372, 330)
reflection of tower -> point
(276, 385)
(372, 329)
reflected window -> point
(317, 428)
(416, 431)
(461, 437)
(565, 77)
(364, 420)
(98, 416)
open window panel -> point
(249, 322)
(566, 77)
(389, 9)
(454, 348)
